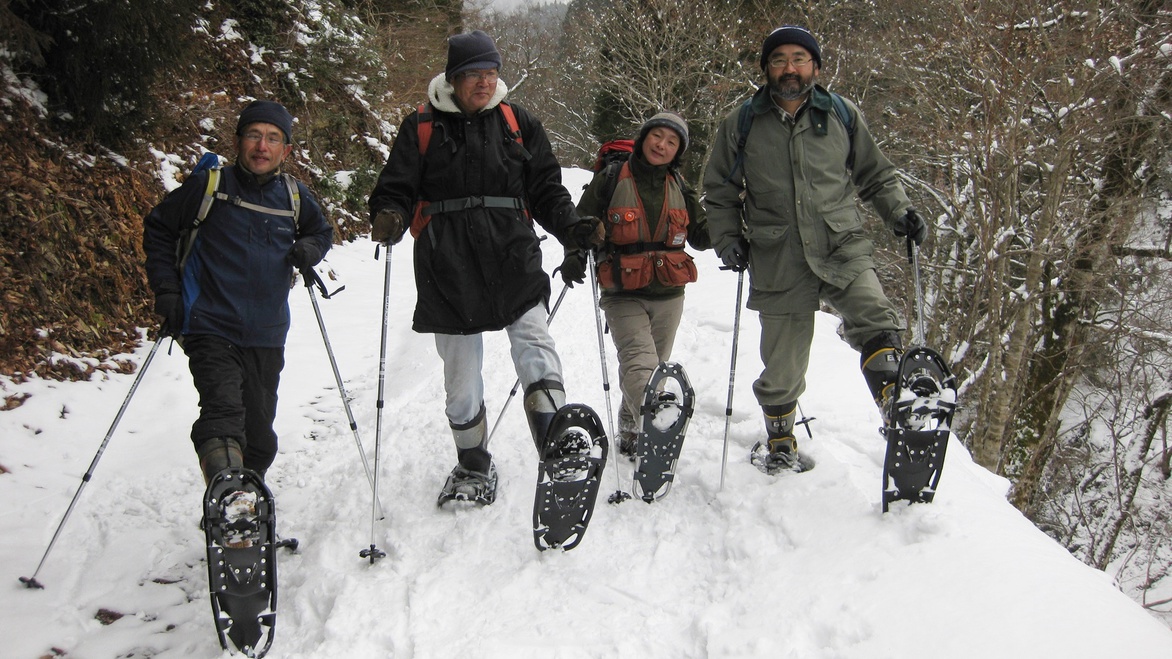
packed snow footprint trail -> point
(697, 574)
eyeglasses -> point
(272, 140)
(477, 76)
(797, 60)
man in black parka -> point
(468, 174)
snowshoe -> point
(472, 486)
(775, 463)
(569, 477)
(918, 419)
(240, 528)
(661, 432)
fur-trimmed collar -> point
(440, 92)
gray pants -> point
(533, 355)
(786, 337)
(643, 331)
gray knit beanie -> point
(667, 119)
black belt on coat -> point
(464, 203)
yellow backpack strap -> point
(209, 195)
(294, 196)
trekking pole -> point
(313, 279)
(732, 376)
(32, 582)
(913, 258)
(805, 421)
(374, 553)
(517, 384)
(619, 496)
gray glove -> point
(736, 255)
(911, 225)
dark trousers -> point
(237, 395)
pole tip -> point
(31, 582)
(373, 554)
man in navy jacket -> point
(227, 299)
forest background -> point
(1032, 135)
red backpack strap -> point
(423, 127)
(514, 128)
(511, 120)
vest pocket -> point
(677, 228)
(632, 272)
(675, 268)
(624, 225)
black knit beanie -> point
(471, 50)
(791, 34)
(269, 112)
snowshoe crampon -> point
(569, 477)
(919, 417)
(240, 527)
(667, 408)
(471, 486)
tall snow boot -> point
(779, 431)
(472, 442)
(542, 401)
(218, 454)
(880, 365)
(474, 476)
(779, 452)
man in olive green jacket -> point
(794, 184)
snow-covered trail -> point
(797, 566)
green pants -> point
(786, 337)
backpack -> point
(745, 124)
(210, 162)
(612, 151)
(424, 127)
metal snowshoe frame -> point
(915, 455)
(657, 451)
(562, 509)
(242, 581)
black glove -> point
(303, 255)
(573, 268)
(170, 307)
(736, 255)
(588, 233)
(387, 227)
(911, 225)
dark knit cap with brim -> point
(268, 112)
(473, 50)
(790, 34)
(665, 119)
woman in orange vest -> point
(650, 213)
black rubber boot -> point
(218, 454)
(542, 401)
(880, 365)
(779, 426)
(472, 443)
